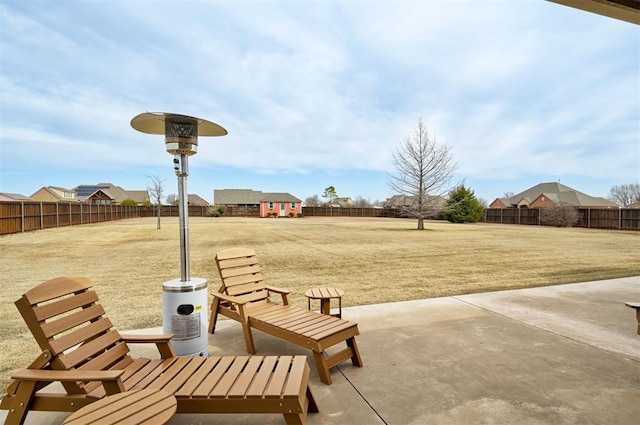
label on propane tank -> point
(185, 327)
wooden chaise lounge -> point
(91, 360)
(244, 296)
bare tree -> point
(508, 195)
(155, 189)
(361, 202)
(625, 194)
(424, 172)
(312, 201)
(559, 215)
(172, 199)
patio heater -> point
(184, 301)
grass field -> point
(373, 260)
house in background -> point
(406, 201)
(237, 197)
(343, 202)
(196, 200)
(280, 204)
(108, 194)
(54, 194)
(12, 197)
(545, 195)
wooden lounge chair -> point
(82, 351)
(244, 296)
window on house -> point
(271, 205)
(68, 194)
(293, 205)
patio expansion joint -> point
(552, 332)
(373, 409)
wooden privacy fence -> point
(16, 217)
(591, 218)
(351, 212)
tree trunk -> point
(420, 223)
(158, 225)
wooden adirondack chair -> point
(245, 297)
(82, 351)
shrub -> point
(300, 215)
(463, 206)
(216, 210)
(291, 214)
(212, 211)
(128, 202)
(560, 215)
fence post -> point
(588, 218)
(619, 218)
(41, 217)
(57, 215)
(22, 215)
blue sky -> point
(318, 93)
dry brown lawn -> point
(373, 260)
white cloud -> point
(515, 88)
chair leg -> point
(214, 315)
(355, 359)
(313, 407)
(248, 338)
(295, 419)
(323, 368)
(21, 402)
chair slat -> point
(83, 353)
(198, 378)
(276, 385)
(56, 288)
(247, 269)
(215, 375)
(80, 335)
(245, 289)
(65, 323)
(241, 385)
(108, 359)
(64, 305)
(244, 279)
(259, 384)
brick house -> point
(545, 195)
(280, 204)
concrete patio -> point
(564, 354)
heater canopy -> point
(180, 131)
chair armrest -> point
(110, 378)
(283, 292)
(278, 290)
(143, 339)
(228, 298)
(162, 341)
(66, 375)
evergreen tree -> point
(463, 206)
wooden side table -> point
(635, 306)
(131, 407)
(325, 295)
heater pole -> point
(182, 170)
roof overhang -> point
(624, 10)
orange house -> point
(280, 205)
